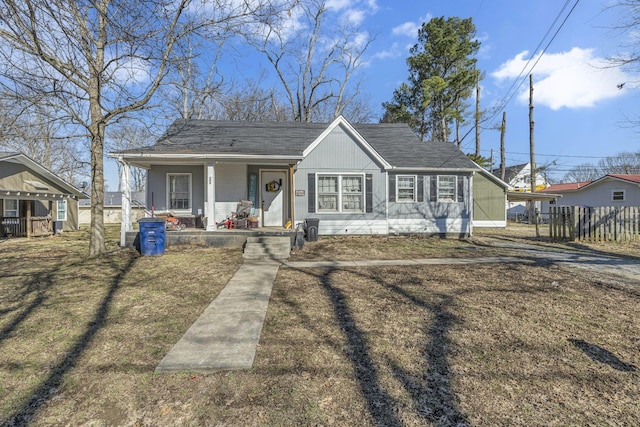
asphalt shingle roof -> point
(395, 142)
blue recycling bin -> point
(152, 236)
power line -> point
(509, 95)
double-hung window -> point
(340, 193)
(61, 210)
(179, 196)
(11, 208)
(447, 186)
(406, 188)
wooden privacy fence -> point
(607, 223)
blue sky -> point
(580, 114)
(579, 111)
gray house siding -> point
(599, 194)
(157, 186)
(340, 154)
(426, 214)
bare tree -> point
(622, 163)
(127, 134)
(29, 129)
(315, 59)
(582, 173)
(95, 61)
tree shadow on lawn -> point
(430, 392)
(429, 386)
(602, 355)
(38, 285)
(50, 385)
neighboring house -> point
(489, 200)
(113, 207)
(519, 178)
(356, 179)
(34, 201)
(609, 190)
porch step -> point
(267, 247)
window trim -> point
(169, 176)
(613, 195)
(5, 210)
(454, 198)
(66, 210)
(340, 209)
(415, 188)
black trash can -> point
(152, 236)
(311, 229)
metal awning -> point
(520, 196)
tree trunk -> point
(96, 234)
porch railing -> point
(18, 226)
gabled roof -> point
(510, 171)
(393, 144)
(576, 186)
(625, 177)
(570, 186)
(64, 186)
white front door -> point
(274, 184)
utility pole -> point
(532, 157)
(503, 130)
(477, 120)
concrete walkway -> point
(226, 334)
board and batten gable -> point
(426, 214)
(341, 154)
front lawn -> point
(492, 344)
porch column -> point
(211, 197)
(125, 188)
(292, 197)
(28, 221)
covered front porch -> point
(209, 190)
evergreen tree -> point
(442, 74)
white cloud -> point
(130, 71)
(395, 51)
(338, 4)
(408, 29)
(573, 79)
(354, 16)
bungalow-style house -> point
(609, 190)
(113, 207)
(356, 179)
(33, 200)
(489, 200)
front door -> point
(273, 198)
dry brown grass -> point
(486, 345)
